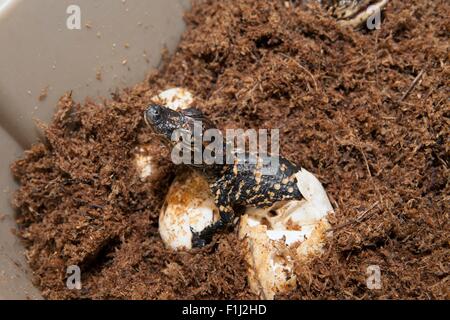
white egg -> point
(358, 17)
(144, 163)
(175, 98)
(272, 243)
(188, 207)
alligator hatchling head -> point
(169, 124)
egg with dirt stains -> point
(175, 99)
(189, 207)
(276, 237)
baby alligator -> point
(235, 186)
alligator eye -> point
(153, 114)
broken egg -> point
(356, 14)
(276, 237)
(144, 162)
(175, 98)
(188, 207)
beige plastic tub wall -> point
(119, 39)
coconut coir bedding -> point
(338, 97)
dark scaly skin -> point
(233, 186)
(242, 185)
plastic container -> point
(43, 54)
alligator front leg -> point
(226, 212)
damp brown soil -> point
(337, 96)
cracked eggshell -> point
(361, 17)
(175, 98)
(269, 270)
(144, 162)
(276, 237)
(188, 204)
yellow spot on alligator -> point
(277, 186)
(290, 190)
